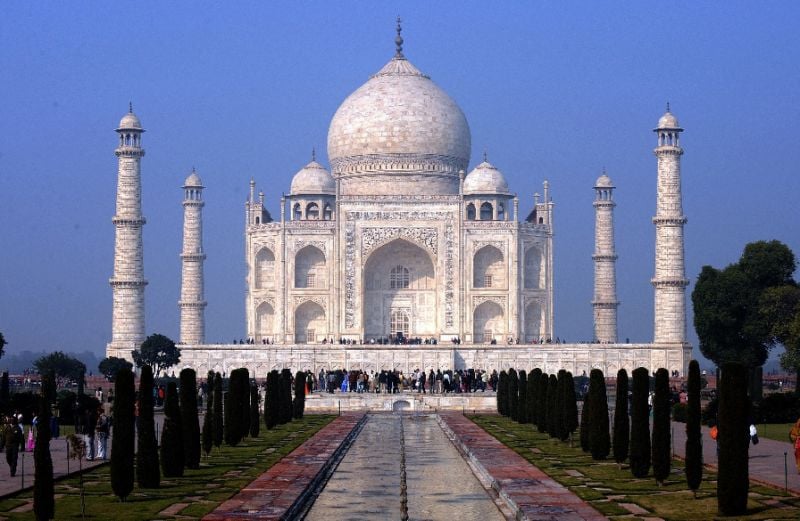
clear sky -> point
(551, 90)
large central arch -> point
(399, 279)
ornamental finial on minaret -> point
(398, 41)
(130, 107)
(313, 154)
(668, 106)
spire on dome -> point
(313, 153)
(398, 41)
(485, 156)
(668, 106)
(130, 107)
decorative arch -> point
(487, 212)
(533, 268)
(488, 268)
(265, 269)
(534, 330)
(488, 322)
(470, 212)
(309, 323)
(312, 211)
(265, 320)
(327, 212)
(297, 212)
(309, 268)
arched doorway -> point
(399, 292)
(488, 268)
(533, 322)
(488, 323)
(309, 323)
(265, 318)
(309, 268)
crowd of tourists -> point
(419, 381)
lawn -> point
(221, 475)
(775, 431)
(616, 493)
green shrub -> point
(778, 408)
(148, 474)
(679, 412)
(694, 440)
(502, 394)
(299, 403)
(640, 423)
(255, 420)
(599, 438)
(541, 403)
(662, 443)
(569, 417)
(522, 406)
(218, 424)
(733, 440)
(122, 442)
(513, 395)
(190, 422)
(172, 460)
(622, 426)
(553, 414)
(532, 395)
(272, 401)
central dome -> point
(399, 134)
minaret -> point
(127, 283)
(192, 305)
(669, 280)
(605, 258)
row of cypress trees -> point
(547, 401)
(280, 407)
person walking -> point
(794, 434)
(102, 429)
(13, 440)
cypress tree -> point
(171, 436)
(285, 394)
(190, 423)
(552, 406)
(522, 406)
(5, 396)
(733, 478)
(513, 394)
(299, 403)
(217, 425)
(232, 410)
(694, 441)
(502, 393)
(148, 474)
(584, 428)
(271, 403)
(640, 423)
(541, 407)
(599, 438)
(81, 383)
(244, 402)
(43, 487)
(255, 421)
(662, 457)
(622, 429)
(122, 443)
(532, 395)
(208, 419)
(561, 380)
(570, 409)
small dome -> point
(130, 122)
(313, 179)
(603, 182)
(485, 179)
(193, 181)
(668, 121)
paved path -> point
(766, 458)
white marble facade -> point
(401, 237)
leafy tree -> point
(780, 309)
(122, 442)
(60, 364)
(157, 351)
(43, 487)
(569, 419)
(190, 423)
(110, 366)
(541, 405)
(662, 457)
(694, 441)
(208, 419)
(727, 314)
(171, 436)
(148, 474)
(621, 420)
(532, 396)
(502, 393)
(272, 401)
(599, 439)
(552, 406)
(255, 420)
(733, 478)
(217, 424)
(522, 392)
(299, 404)
(640, 423)
(513, 394)
(285, 397)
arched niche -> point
(309, 268)
(488, 322)
(533, 322)
(265, 269)
(488, 268)
(533, 268)
(265, 320)
(309, 323)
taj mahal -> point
(400, 255)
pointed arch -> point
(265, 269)
(488, 322)
(533, 268)
(309, 268)
(488, 268)
(534, 321)
(265, 321)
(487, 212)
(309, 323)
(470, 212)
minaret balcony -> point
(193, 256)
(127, 221)
(605, 304)
(119, 283)
(670, 221)
(605, 257)
(192, 304)
(129, 152)
(670, 282)
(668, 150)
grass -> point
(775, 431)
(222, 474)
(607, 487)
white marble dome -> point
(193, 181)
(485, 179)
(130, 122)
(399, 133)
(603, 182)
(668, 121)
(313, 179)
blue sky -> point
(554, 90)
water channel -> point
(370, 480)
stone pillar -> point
(605, 279)
(669, 280)
(127, 282)
(192, 304)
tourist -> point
(12, 435)
(794, 434)
(102, 429)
